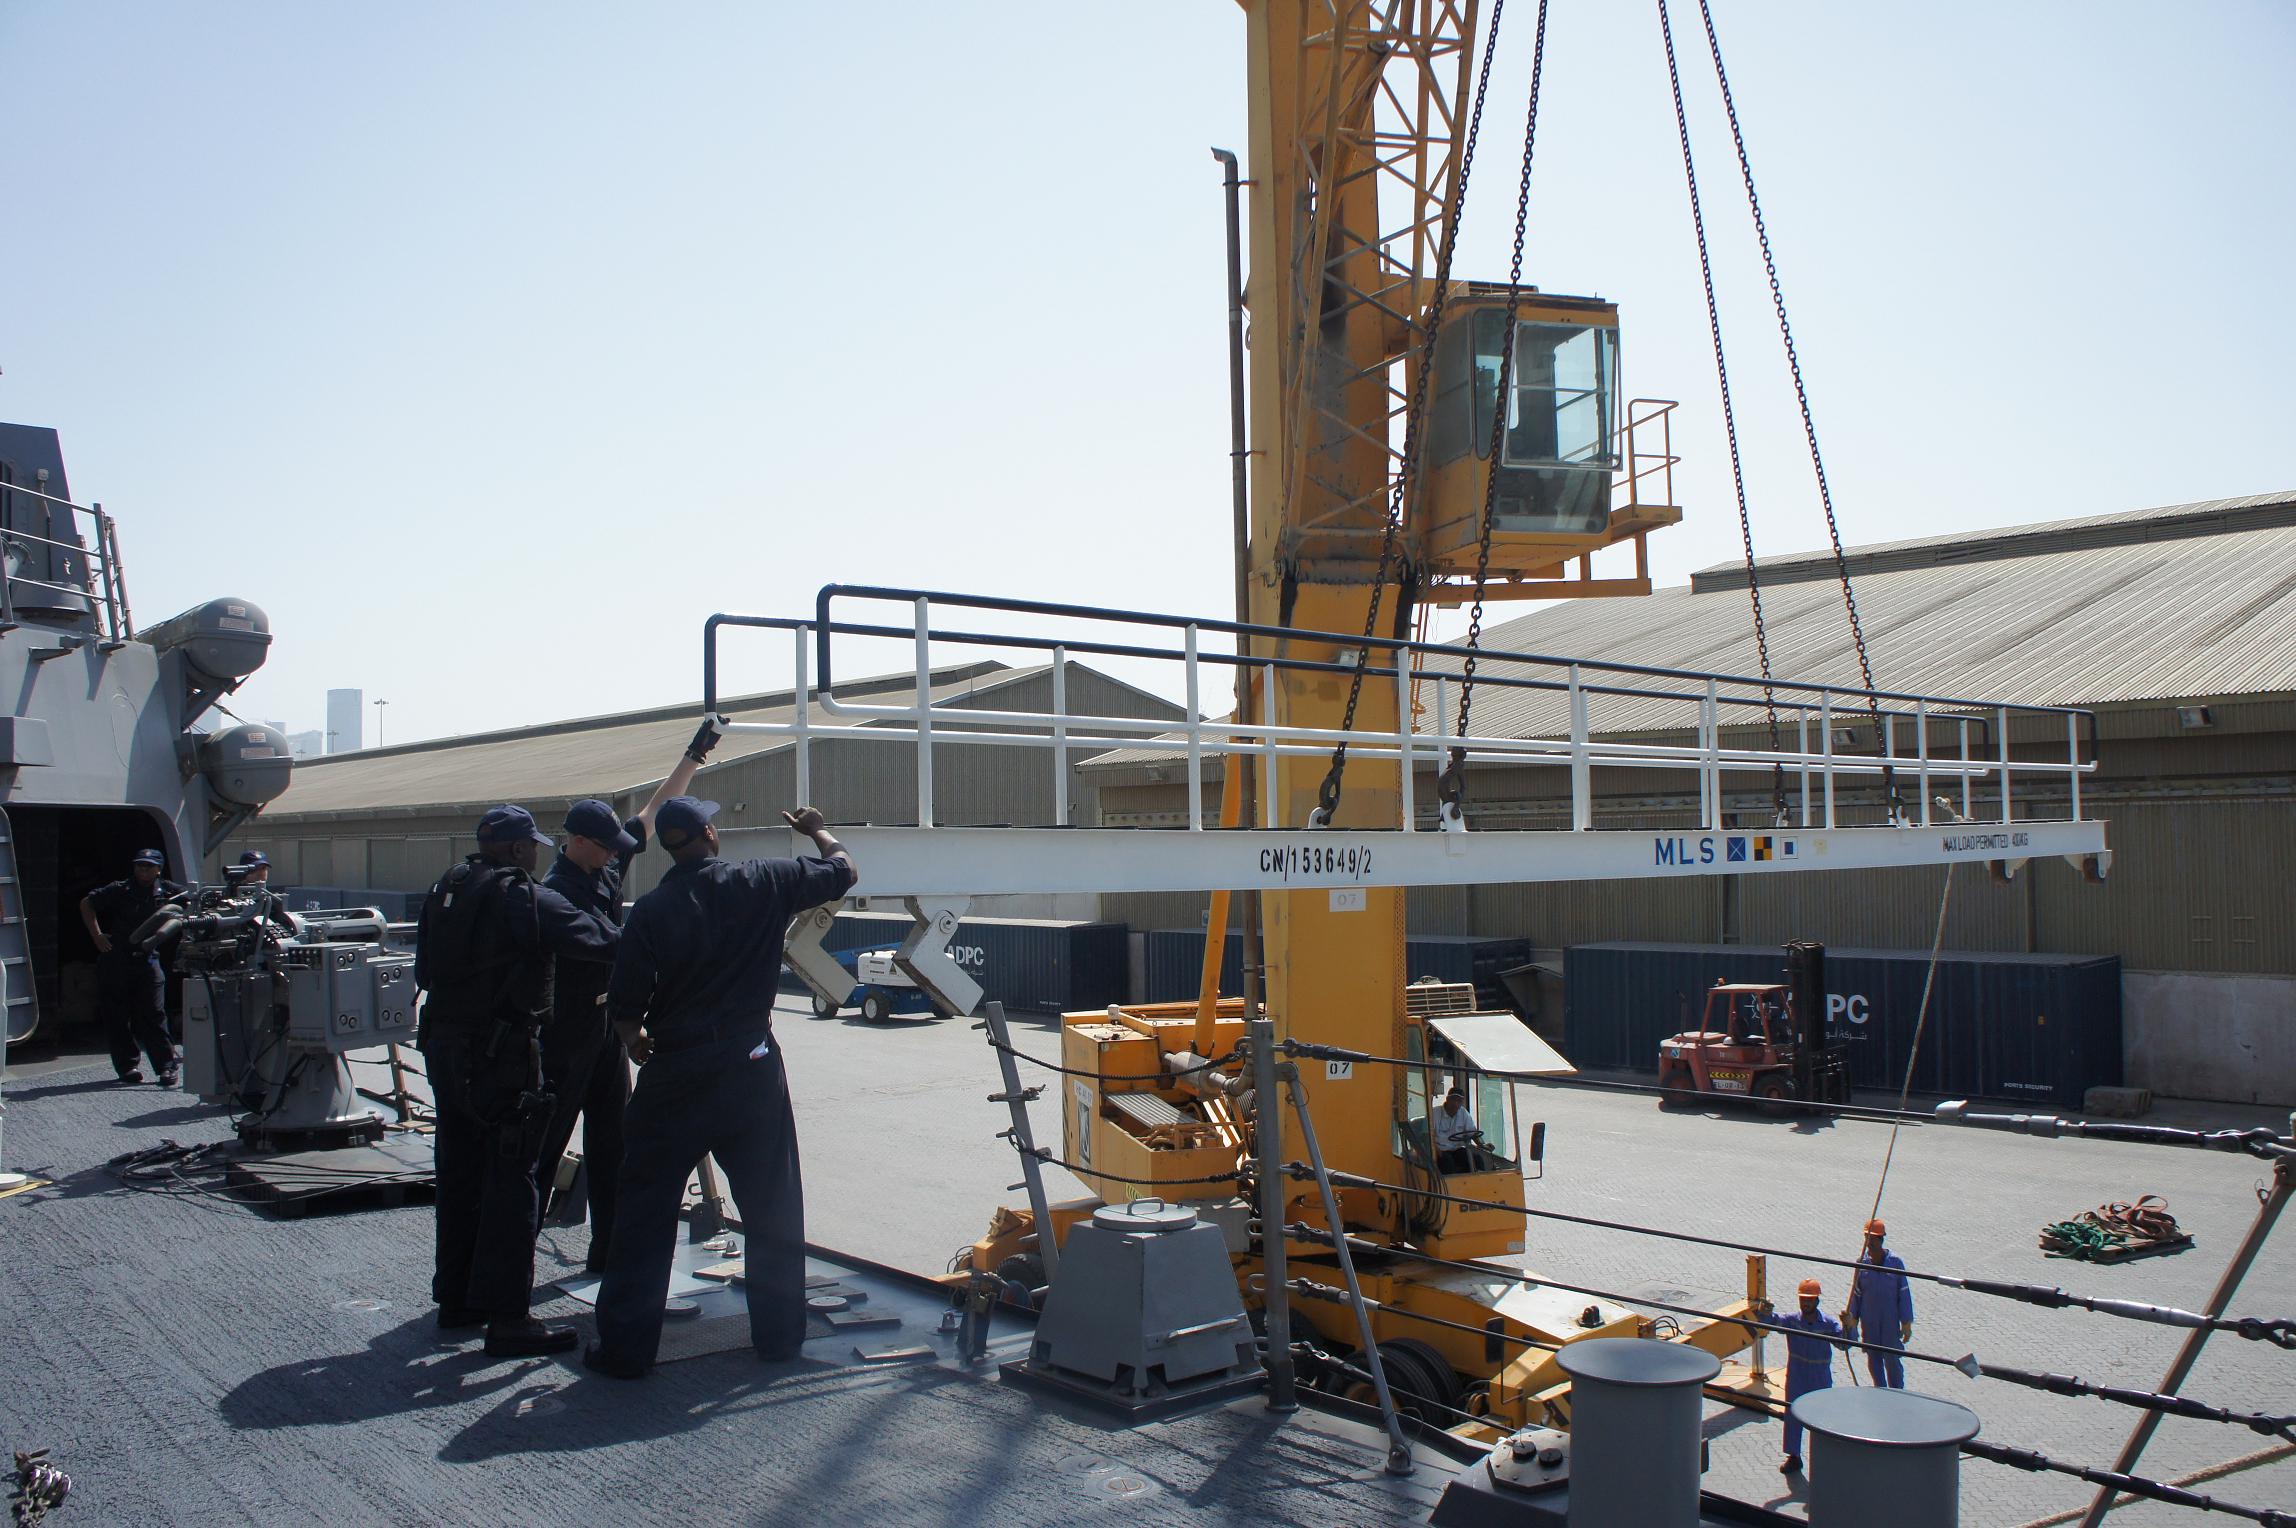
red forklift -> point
(1763, 1041)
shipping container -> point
(1031, 965)
(2041, 1029)
(1174, 960)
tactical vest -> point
(482, 946)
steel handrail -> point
(823, 625)
(101, 567)
(920, 722)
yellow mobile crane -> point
(1385, 476)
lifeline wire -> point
(1044, 1154)
(2257, 1142)
(2280, 1333)
(2028, 1459)
(2055, 1383)
(1319, 1052)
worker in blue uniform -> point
(692, 995)
(583, 1064)
(486, 947)
(130, 988)
(1809, 1362)
(1880, 1312)
(255, 883)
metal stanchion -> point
(1267, 1143)
(1015, 1097)
(1398, 1447)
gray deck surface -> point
(192, 1362)
(196, 1362)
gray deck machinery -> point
(272, 1003)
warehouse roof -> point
(2185, 600)
(2156, 604)
(589, 756)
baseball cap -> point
(149, 857)
(254, 857)
(509, 825)
(595, 820)
(681, 820)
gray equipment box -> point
(347, 997)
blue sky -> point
(492, 347)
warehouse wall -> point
(2224, 1037)
(855, 779)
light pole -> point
(379, 721)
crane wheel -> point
(823, 1008)
(1023, 1275)
(874, 1008)
(1417, 1377)
(1433, 1366)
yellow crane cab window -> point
(1556, 454)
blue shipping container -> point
(2035, 1028)
(1174, 964)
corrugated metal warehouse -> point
(393, 819)
(2176, 626)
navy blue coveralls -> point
(583, 1063)
(129, 983)
(699, 966)
(1809, 1364)
(483, 957)
(1881, 1299)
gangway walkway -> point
(1958, 779)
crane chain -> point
(1729, 415)
(1327, 794)
(1802, 398)
(1451, 786)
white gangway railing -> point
(1952, 787)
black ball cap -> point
(596, 821)
(509, 825)
(681, 820)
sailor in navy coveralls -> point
(692, 995)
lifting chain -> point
(1451, 786)
(1895, 804)
(1327, 794)
(1729, 416)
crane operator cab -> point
(1459, 1130)
(1557, 450)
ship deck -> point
(195, 1361)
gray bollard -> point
(1884, 1458)
(1635, 1437)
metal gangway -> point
(1948, 780)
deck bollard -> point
(1884, 1458)
(1635, 1444)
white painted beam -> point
(958, 862)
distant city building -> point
(346, 710)
(305, 745)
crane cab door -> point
(1466, 1049)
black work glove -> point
(704, 740)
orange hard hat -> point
(1810, 1289)
(1875, 1228)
